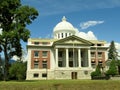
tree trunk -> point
(118, 69)
(6, 67)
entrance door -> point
(74, 75)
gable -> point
(73, 40)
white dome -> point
(64, 25)
(63, 29)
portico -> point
(72, 57)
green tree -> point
(112, 53)
(1, 68)
(112, 68)
(97, 71)
(17, 70)
(14, 17)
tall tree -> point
(112, 53)
(112, 68)
(13, 20)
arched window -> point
(65, 34)
(62, 35)
(58, 35)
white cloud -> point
(88, 36)
(88, 24)
(15, 58)
(117, 45)
(23, 58)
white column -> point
(89, 58)
(106, 55)
(67, 61)
(56, 57)
(29, 60)
(79, 57)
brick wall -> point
(40, 59)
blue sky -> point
(102, 17)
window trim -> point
(35, 54)
(36, 64)
(36, 75)
(45, 56)
(44, 64)
(44, 75)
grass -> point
(61, 85)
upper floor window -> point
(45, 43)
(44, 54)
(58, 35)
(36, 53)
(69, 34)
(65, 34)
(99, 54)
(92, 54)
(36, 43)
(62, 35)
(99, 44)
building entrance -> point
(74, 75)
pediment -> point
(73, 40)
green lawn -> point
(61, 85)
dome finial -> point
(64, 18)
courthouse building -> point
(66, 56)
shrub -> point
(97, 72)
(17, 71)
(112, 69)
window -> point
(92, 54)
(44, 54)
(44, 75)
(36, 53)
(93, 64)
(65, 34)
(58, 35)
(35, 75)
(60, 63)
(71, 54)
(99, 45)
(69, 34)
(45, 43)
(99, 54)
(62, 35)
(36, 64)
(60, 54)
(36, 43)
(44, 64)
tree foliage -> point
(112, 68)
(112, 53)
(14, 17)
(17, 71)
(97, 71)
(1, 68)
